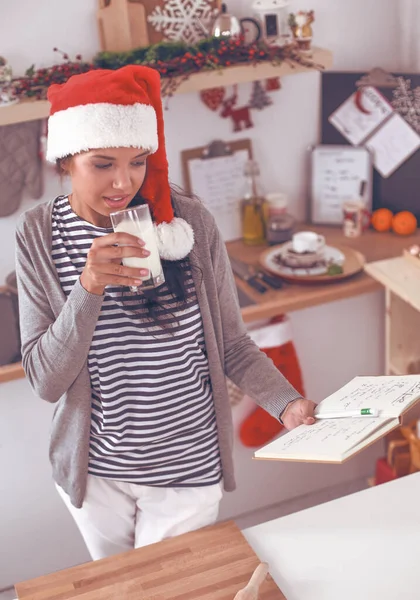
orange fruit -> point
(382, 219)
(404, 223)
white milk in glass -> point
(143, 228)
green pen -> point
(360, 412)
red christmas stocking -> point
(275, 340)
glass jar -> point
(280, 224)
(253, 206)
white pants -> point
(116, 517)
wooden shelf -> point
(247, 73)
(401, 280)
(11, 372)
(30, 110)
(26, 110)
(399, 276)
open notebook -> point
(335, 440)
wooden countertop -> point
(209, 564)
(374, 246)
(11, 372)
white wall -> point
(36, 534)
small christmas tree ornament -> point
(259, 97)
(7, 92)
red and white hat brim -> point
(103, 125)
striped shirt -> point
(153, 419)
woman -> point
(142, 434)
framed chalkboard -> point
(401, 190)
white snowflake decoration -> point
(407, 102)
(180, 19)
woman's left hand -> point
(298, 412)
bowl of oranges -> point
(401, 223)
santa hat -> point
(114, 109)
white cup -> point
(307, 241)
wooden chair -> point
(398, 456)
(410, 433)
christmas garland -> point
(37, 81)
(175, 61)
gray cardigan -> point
(57, 331)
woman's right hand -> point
(103, 265)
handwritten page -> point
(219, 183)
(337, 172)
(392, 145)
(361, 114)
(391, 395)
(325, 440)
(333, 440)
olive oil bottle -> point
(253, 207)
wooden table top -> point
(374, 246)
(209, 564)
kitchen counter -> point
(213, 563)
(374, 246)
(363, 546)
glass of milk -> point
(138, 221)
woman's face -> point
(105, 181)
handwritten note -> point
(391, 395)
(392, 145)
(323, 440)
(219, 182)
(337, 172)
(361, 114)
(335, 439)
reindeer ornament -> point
(241, 116)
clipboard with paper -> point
(214, 173)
